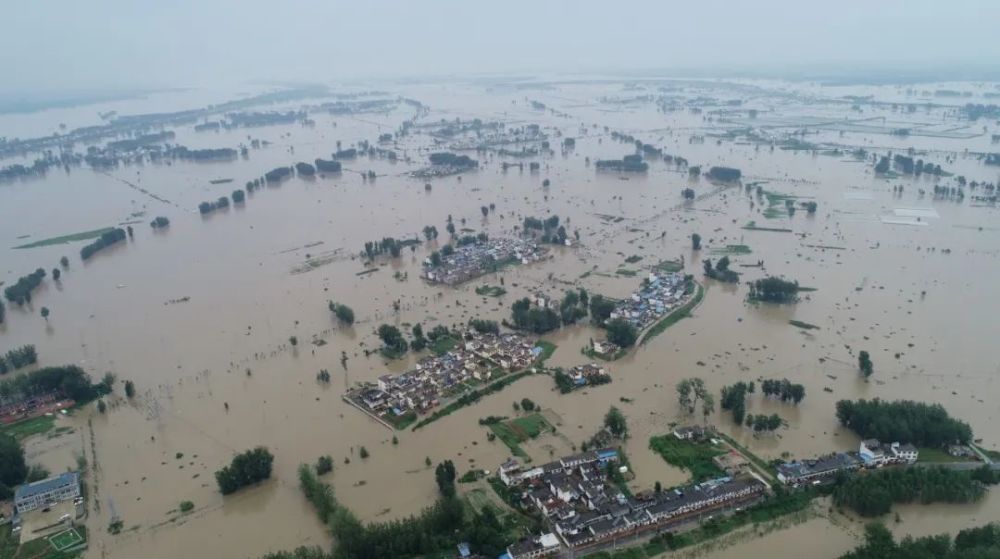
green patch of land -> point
(934, 455)
(731, 250)
(43, 548)
(548, 348)
(443, 344)
(65, 239)
(803, 325)
(669, 266)
(695, 457)
(490, 291)
(34, 426)
(626, 272)
(633, 259)
(676, 315)
(518, 430)
(401, 421)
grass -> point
(669, 266)
(937, 455)
(731, 249)
(803, 325)
(34, 426)
(443, 345)
(548, 348)
(633, 259)
(42, 548)
(401, 421)
(675, 316)
(65, 239)
(519, 430)
(626, 272)
(695, 457)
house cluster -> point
(871, 454)
(590, 373)
(660, 293)
(440, 377)
(473, 260)
(584, 507)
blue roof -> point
(607, 453)
(46, 485)
(463, 549)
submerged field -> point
(200, 315)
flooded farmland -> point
(200, 315)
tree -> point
(56, 274)
(129, 389)
(45, 313)
(444, 475)
(343, 313)
(392, 339)
(13, 468)
(707, 405)
(527, 405)
(324, 464)
(293, 340)
(600, 308)
(363, 453)
(245, 469)
(695, 241)
(485, 210)
(64, 262)
(621, 332)
(690, 391)
(101, 406)
(865, 364)
(614, 420)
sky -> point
(73, 45)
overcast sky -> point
(52, 45)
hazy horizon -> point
(113, 44)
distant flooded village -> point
(608, 316)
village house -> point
(542, 546)
(875, 454)
(694, 432)
(46, 492)
(817, 470)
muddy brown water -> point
(189, 359)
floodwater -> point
(920, 299)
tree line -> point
(550, 229)
(209, 207)
(774, 290)
(17, 358)
(69, 380)
(905, 421)
(438, 527)
(874, 493)
(107, 239)
(20, 292)
(982, 542)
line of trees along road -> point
(982, 542)
(873, 494)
